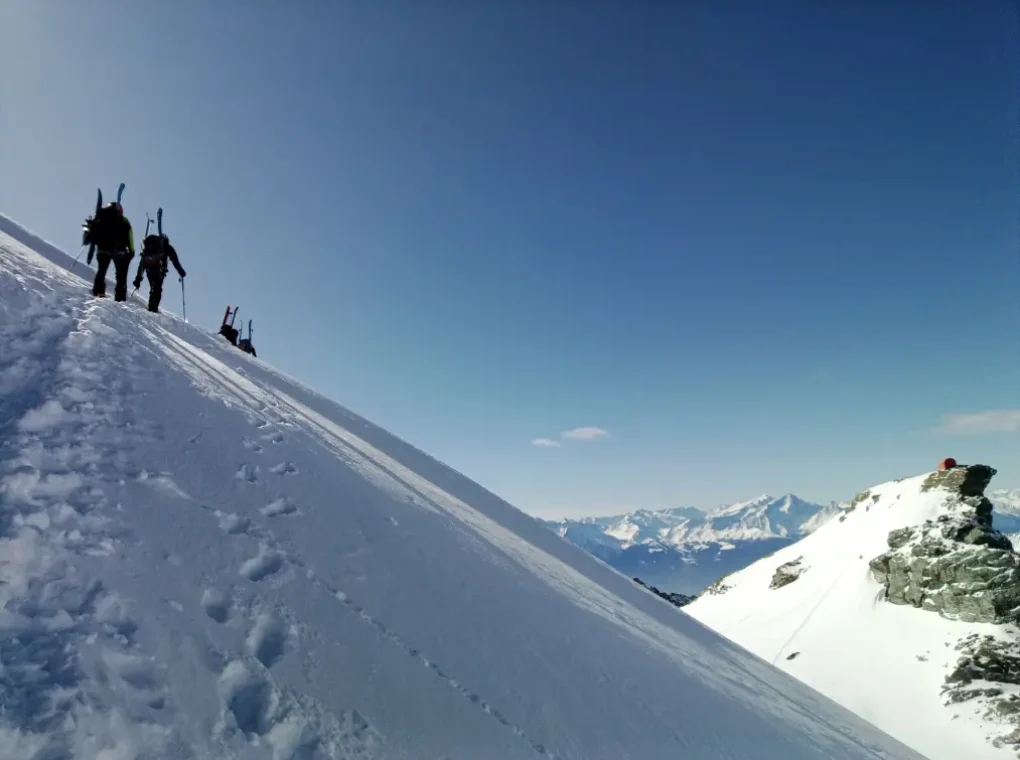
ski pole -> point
(184, 304)
(80, 252)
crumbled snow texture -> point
(902, 611)
(153, 605)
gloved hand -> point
(183, 274)
(88, 259)
(137, 283)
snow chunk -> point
(49, 415)
(264, 564)
(281, 506)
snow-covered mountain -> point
(202, 558)
(904, 610)
(685, 549)
(1007, 512)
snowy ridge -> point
(817, 610)
(203, 558)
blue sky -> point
(763, 246)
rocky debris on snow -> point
(988, 671)
(859, 499)
(787, 573)
(719, 587)
(957, 565)
(678, 600)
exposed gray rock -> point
(956, 565)
(854, 503)
(787, 573)
(719, 587)
(984, 662)
(676, 599)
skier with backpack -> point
(110, 238)
(156, 254)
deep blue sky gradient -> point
(766, 246)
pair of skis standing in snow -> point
(110, 237)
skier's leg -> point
(121, 265)
(155, 277)
(102, 264)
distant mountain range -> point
(685, 549)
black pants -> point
(155, 275)
(121, 262)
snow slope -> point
(685, 549)
(832, 629)
(201, 558)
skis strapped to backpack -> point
(86, 228)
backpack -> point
(152, 252)
(105, 230)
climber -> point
(111, 238)
(156, 254)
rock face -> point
(957, 565)
(787, 573)
(988, 671)
(677, 600)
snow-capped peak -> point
(903, 609)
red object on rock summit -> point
(947, 464)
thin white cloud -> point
(585, 433)
(980, 423)
(546, 442)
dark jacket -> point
(112, 232)
(156, 253)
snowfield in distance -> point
(202, 558)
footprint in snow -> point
(284, 468)
(137, 674)
(248, 472)
(279, 507)
(233, 523)
(216, 605)
(262, 565)
(252, 445)
(276, 437)
(267, 639)
(295, 726)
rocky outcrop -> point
(988, 671)
(719, 587)
(677, 600)
(859, 499)
(957, 565)
(787, 573)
